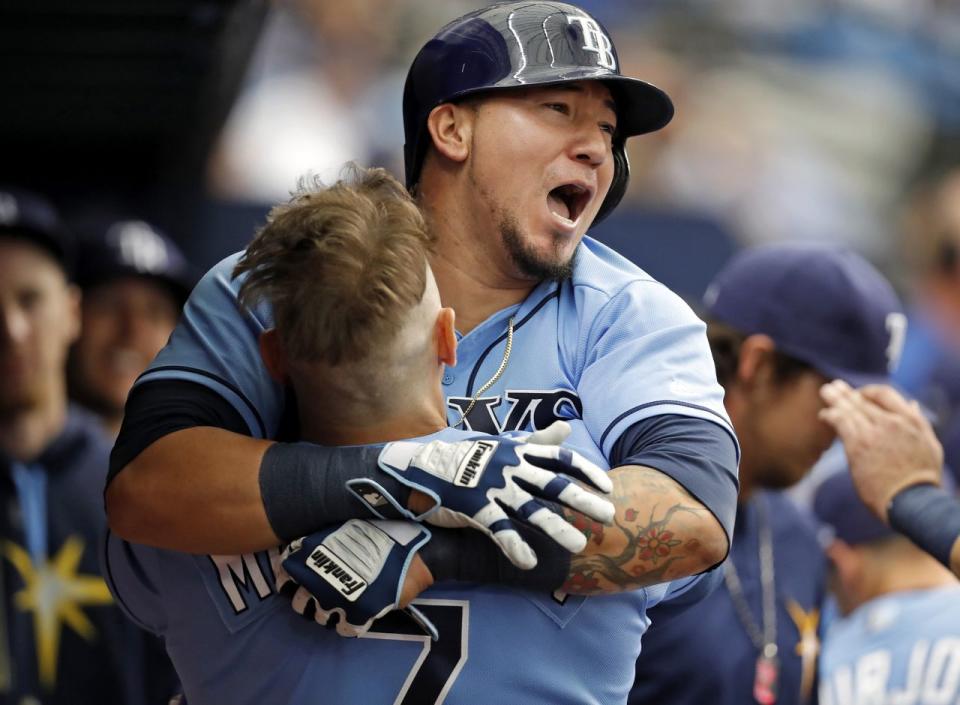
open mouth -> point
(568, 201)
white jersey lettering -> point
(943, 673)
(873, 671)
(234, 572)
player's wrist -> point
(304, 487)
(930, 517)
(919, 478)
(417, 579)
(468, 556)
(420, 503)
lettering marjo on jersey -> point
(932, 676)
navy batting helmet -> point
(516, 44)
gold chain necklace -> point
(496, 375)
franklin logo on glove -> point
(336, 571)
(351, 595)
(472, 467)
(475, 481)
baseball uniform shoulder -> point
(603, 269)
(608, 287)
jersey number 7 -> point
(435, 670)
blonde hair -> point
(342, 266)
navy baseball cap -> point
(824, 305)
(843, 514)
(29, 216)
(110, 248)
(841, 511)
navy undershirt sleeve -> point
(700, 455)
(303, 486)
(156, 409)
(707, 583)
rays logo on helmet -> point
(595, 40)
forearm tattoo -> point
(654, 537)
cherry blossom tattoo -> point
(654, 532)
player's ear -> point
(445, 333)
(274, 357)
(756, 358)
(848, 568)
(451, 129)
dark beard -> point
(780, 477)
(527, 261)
(524, 258)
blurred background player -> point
(896, 463)
(775, 343)
(135, 281)
(895, 459)
(898, 639)
(62, 640)
(930, 245)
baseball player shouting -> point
(515, 119)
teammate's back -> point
(900, 648)
(899, 639)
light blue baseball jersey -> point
(233, 639)
(898, 649)
(605, 350)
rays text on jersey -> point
(527, 409)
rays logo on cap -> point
(595, 40)
(9, 211)
(897, 328)
(139, 245)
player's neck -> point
(471, 268)
(25, 433)
(409, 422)
(471, 291)
(920, 572)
